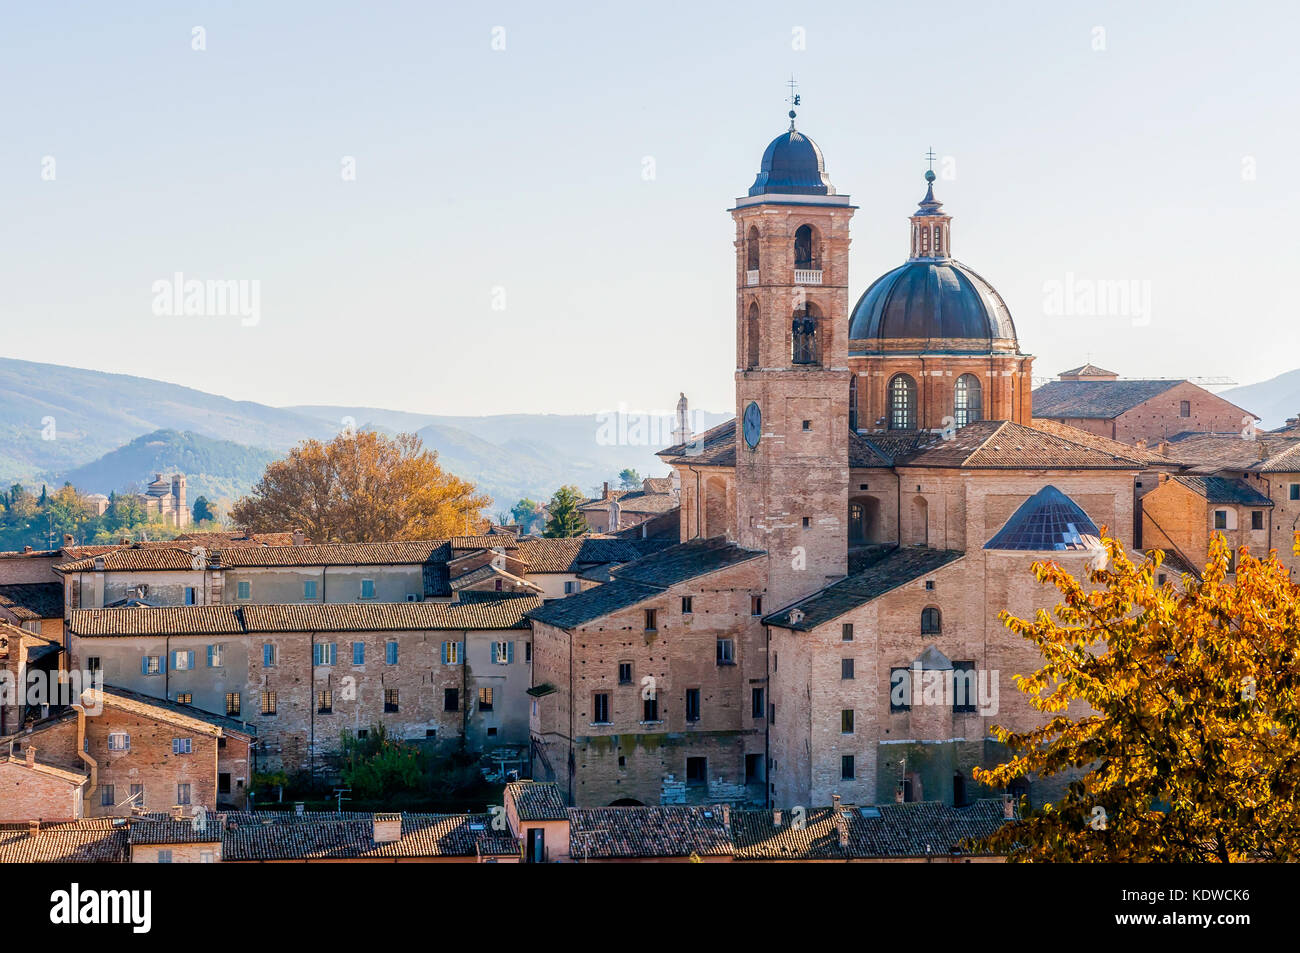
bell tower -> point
(792, 373)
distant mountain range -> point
(1274, 400)
(107, 431)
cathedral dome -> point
(792, 165)
(932, 300)
(932, 296)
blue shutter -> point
(510, 653)
(162, 664)
(444, 653)
(144, 664)
(209, 656)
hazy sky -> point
(502, 248)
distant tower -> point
(182, 512)
(792, 377)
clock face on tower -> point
(753, 424)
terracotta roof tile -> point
(537, 801)
(631, 832)
(31, 601)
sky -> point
(522, 207)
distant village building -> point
(164, 499)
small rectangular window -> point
(757, 708)
(900, 689)
(726, 652)
(93, 664)
(189, 595)
(1256, 519)
(184, 698)
(268, 655)
(807, 425)
(1220, 519)
(182, 746)
(846, 632)
(964, 688)
(358, 653)
(216, 656)
(846, 721)
(390, 700)
(451, 699)
(151, 665)
(755, 605)
(164, 856)
(183, 793)
(528, 651)
(807, 522)
(268, 703)
(1184, 408)
(692, 704)
(650, 620)
(137, 795)
(309, 589)
(650, 709)
(600, 708)
(390, 652)
(119, 741)
(326, 653)
(687, 605)
(450, 653)
(367, 588)
(232, 703)
(846, 668)
(244, 590)
(846, 767)
(1295, 491)
(485, 698)
(625, 673)
(503, 653)
(106, 798)
(324, 702)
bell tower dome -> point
(792, 373)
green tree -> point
(1189, 742)
(527, 513)
(378, 766)
(630, 479)
(203, 510)
(566, 519)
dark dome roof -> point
(792, 165)
(1048, 520)
(929, 300)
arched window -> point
(751, 336)
(967, 400)
(853, 402)
(807, 250)
(902, 403)
(751, 249)
(938, 241)
(931, 621)
(805, 334)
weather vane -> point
(794, 96)
(929, 154)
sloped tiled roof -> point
(323, 836)
(1287, 461)
(30, 601)
(499, 612)
(643, 579)
(639, 502)
(1003, 445)
(914, 829)
(1148, 455)
(647, 832)
(168, 830)
(1215, 489)
(135, 558)
(163, 709)
(576, 553)
(903, 565)
(1087, 370)
(716, 447)
(863, 453)
(1100, 400)
(336, 554)
(74, 843)
(537, 801)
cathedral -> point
(827, 627)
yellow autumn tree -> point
(361, 487)
(1191, 750)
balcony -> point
(751, 277)
(807, 276)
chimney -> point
(30, 753)
(299, 537)
(178, 812)
(299, 807)
(1163, 447)
(776, 818)
(125, 540)
(726, 816)
(388, 828)
(27, 549)
(33, 828)
(1008, 807)
(841, 824)
(1140, 443)
(604, 494)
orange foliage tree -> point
(1191, 749)
(361, 487)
